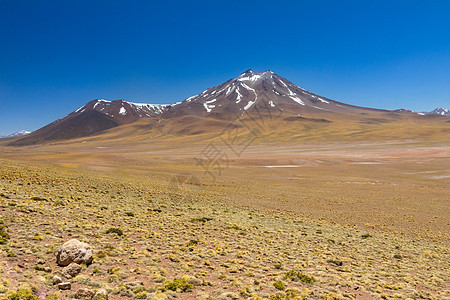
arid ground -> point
(312, 220)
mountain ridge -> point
(15, 134)
(250, 92)
(439, 111)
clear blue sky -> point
(57, 55)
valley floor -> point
(343, 221)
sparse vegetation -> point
(298, 276)
(38, 199)
(200, 242)
(179, 284)
(4, 236)
(279, 285)
(22, 295)
(335, 262)
(202, 220)
(117, 231)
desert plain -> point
(203, 218)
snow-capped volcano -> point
(439, 111)
(249, 92)
(255, 91)
(18, 133)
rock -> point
(72, 270)
(101, 294)
(74, 251)
(56, 279)
(84, 293)
(40, 262)
(64, 286)
(48, 269)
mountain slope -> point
(95, 116)
(75, 125)
(123, 111)
(16, 134)
(439, 111)
(261, 95)
(253, 91)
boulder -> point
(84, 293)
(56, 280)
(74, 251)
(64, 286)
(72, 270)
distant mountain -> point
(439, 111)
(15, 134)
(251, 92)
(123, 111)
(95, 116)
(402, 110)
(72, 126)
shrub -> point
(235, 227)
(141, 295)
(179, 284)
(335, 262)
(296, 276)
(279, 285)
(117, 231)
(203, 219)
(11, 253)
(101, 254)
(193, 242)
(38, 199)
(365, 236)
(22, 295)
(4, 236)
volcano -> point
(257, 91)
(251, 92)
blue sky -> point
(57, 55)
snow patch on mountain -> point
(239, 95)
(18, 133)
(100, 101)
(439, 111)
(297, 99)
(208, 106)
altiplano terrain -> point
(253, 189)
(319, 221)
